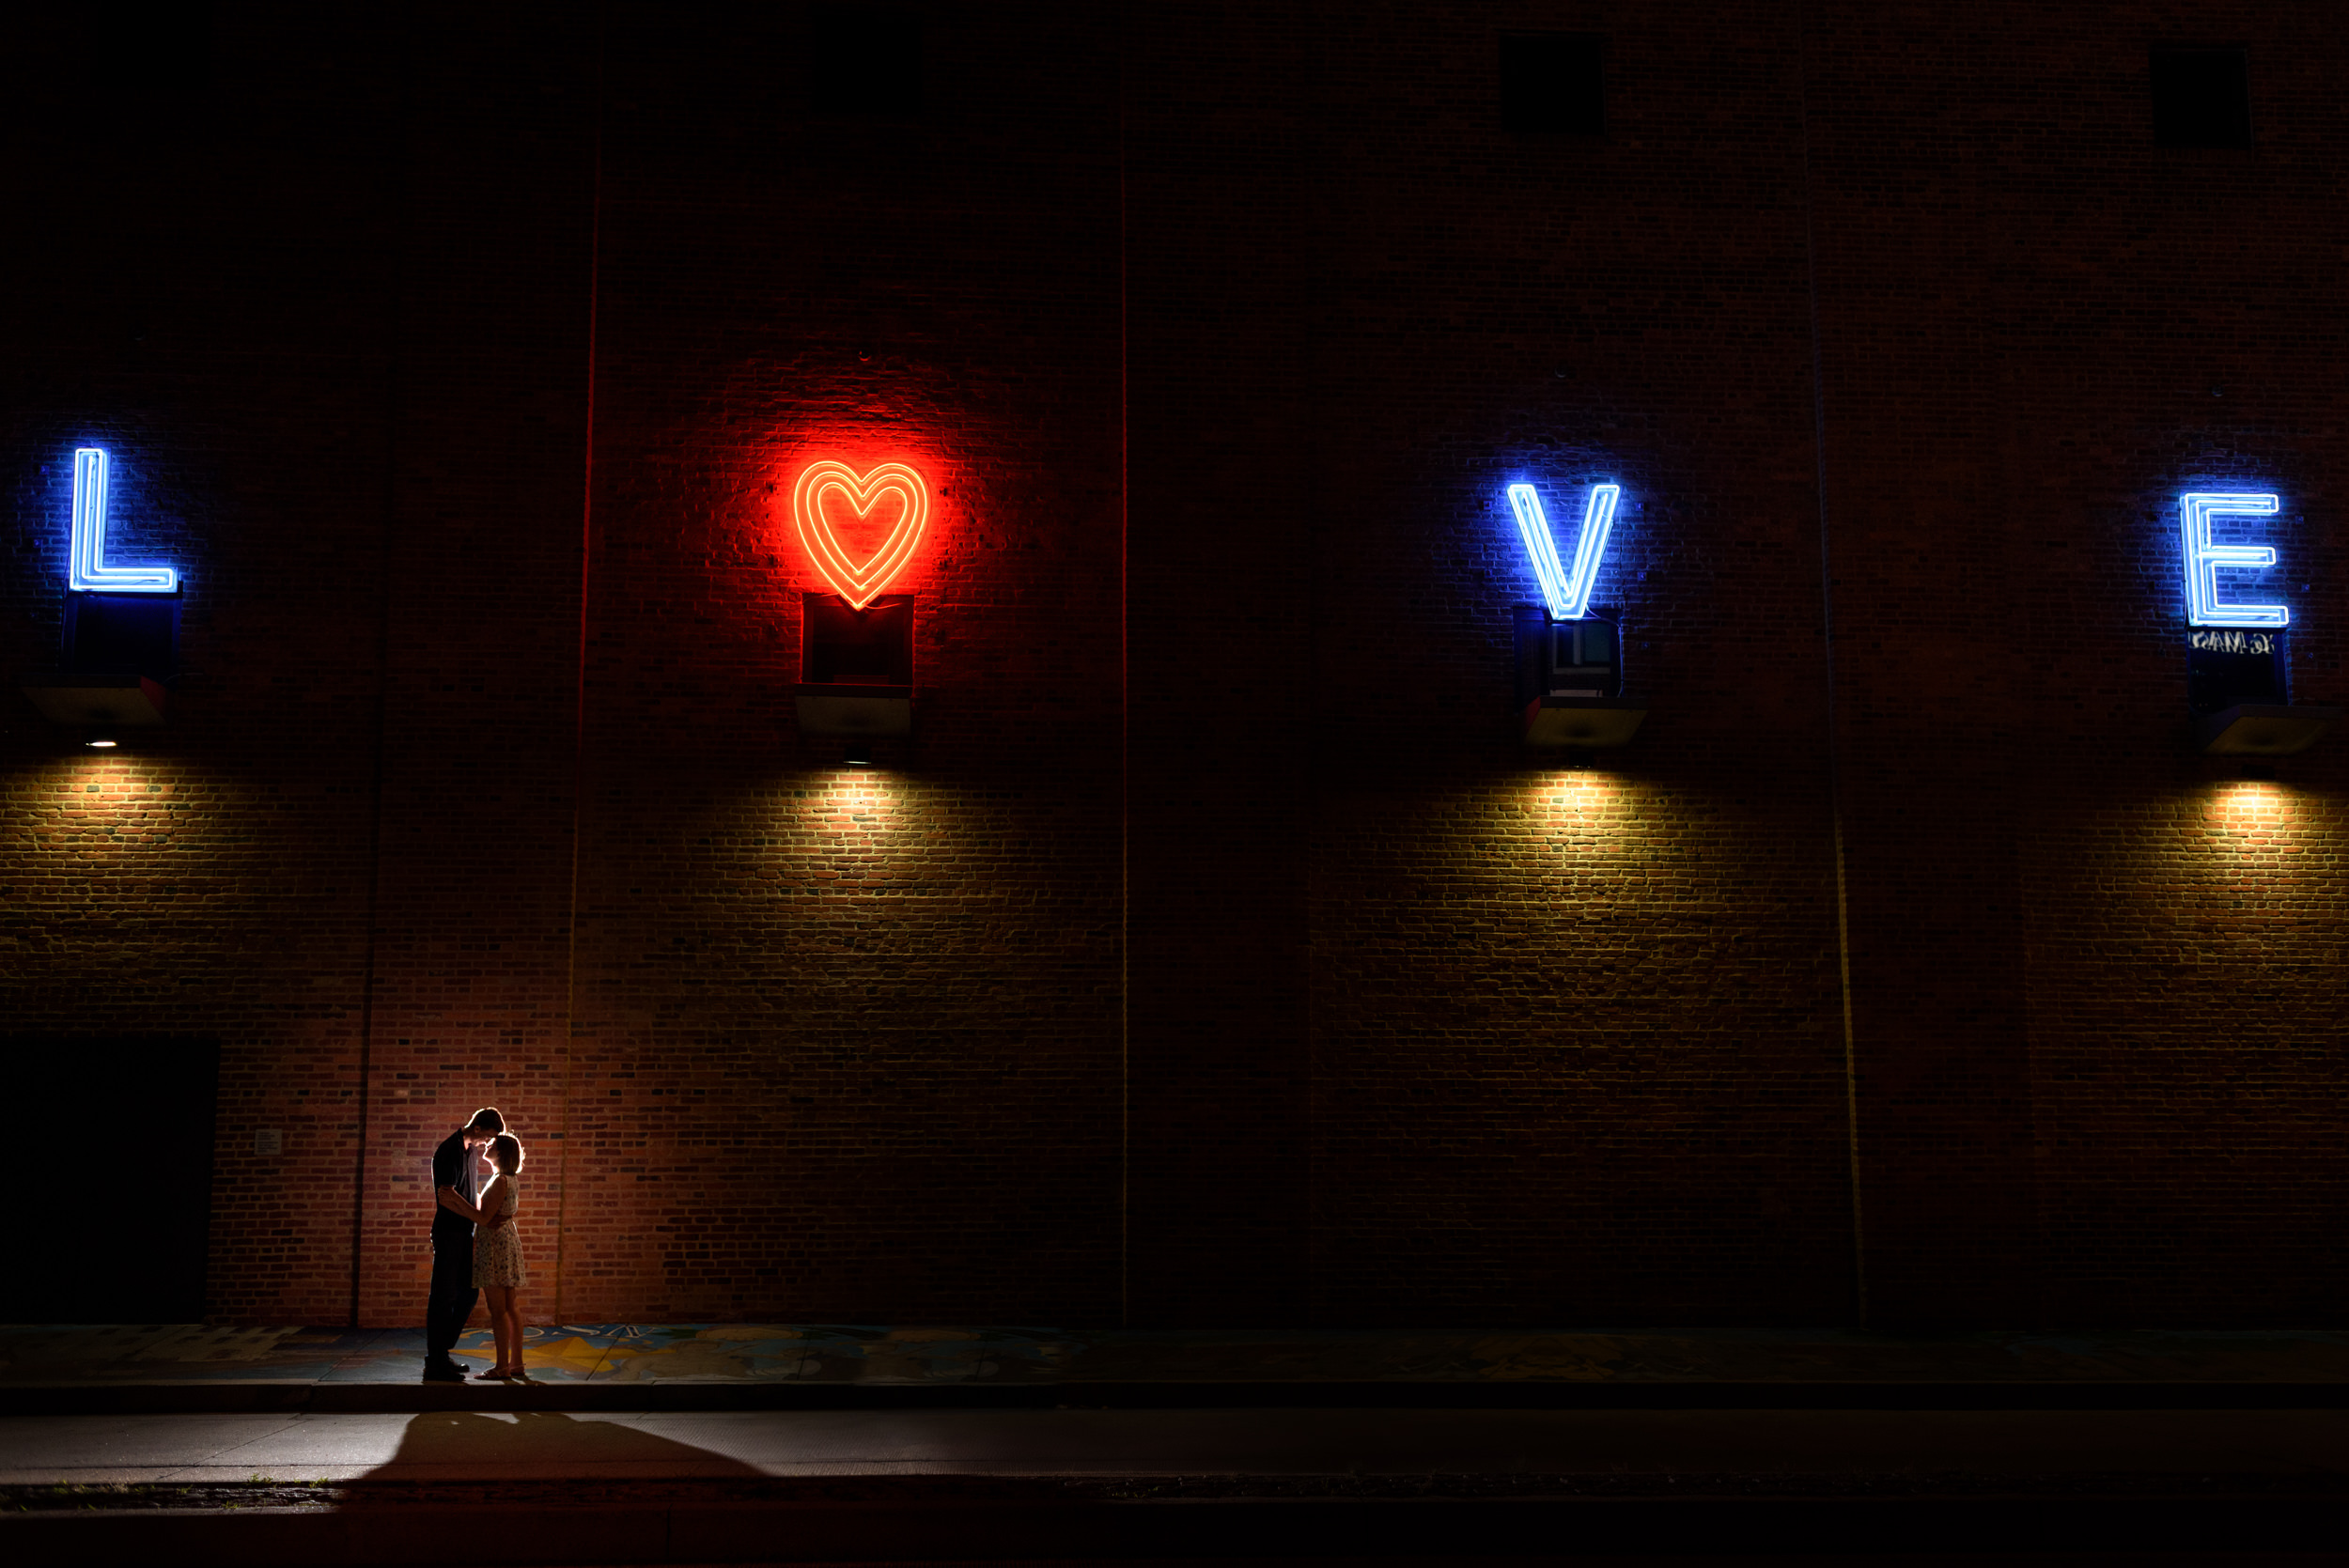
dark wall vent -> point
(1554, 83)
(865, 63)
(2201, 98)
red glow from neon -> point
(859, 584)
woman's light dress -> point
(497, 1252)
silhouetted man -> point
(453, 1294)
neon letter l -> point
(86, 568)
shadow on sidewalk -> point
(541, 1445)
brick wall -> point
(1213, 952)
(2039, 328)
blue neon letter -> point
(1568, 593)
(2203, 559)
(87, 570)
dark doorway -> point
(116, 1216)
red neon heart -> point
(859, 584)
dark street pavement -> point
(751, 1443)
(456, 1445)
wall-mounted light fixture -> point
(856, 644)
(2238, 665)
(92, 702)
(1569, 656)
(121, 625)
(2262, 729)
(856, 666)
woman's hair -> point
(485, 1119)
(505, 1153)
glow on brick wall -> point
(2260, 858)
(844, 827)
(1588, 819)
(112, 817)
(2253, 847)
(1569, 833)
(2252, 817)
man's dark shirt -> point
(452, 1166)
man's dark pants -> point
(453, 1294)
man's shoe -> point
(443, 1372)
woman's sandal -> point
(495, 1375)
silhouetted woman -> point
(497, 1255)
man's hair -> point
(485, 1119)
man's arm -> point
(455, 1204)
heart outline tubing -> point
(859, 585)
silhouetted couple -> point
(476, 1248)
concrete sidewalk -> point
(952, 1362)
(2307, 1448)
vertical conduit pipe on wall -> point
(394, 335)
(1827, 616)
(1125, 714)
(578, 710)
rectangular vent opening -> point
(2202, 97)
(1554, 83)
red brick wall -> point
(480, 621)
(846, 1038)
(2092, 1058)
(1213, 952)
(1577, 1031)
(1226, 488)
(201, 292)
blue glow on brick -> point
(2205, 560)
(87, 571)
(1568, 593)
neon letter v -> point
(1568, 593)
